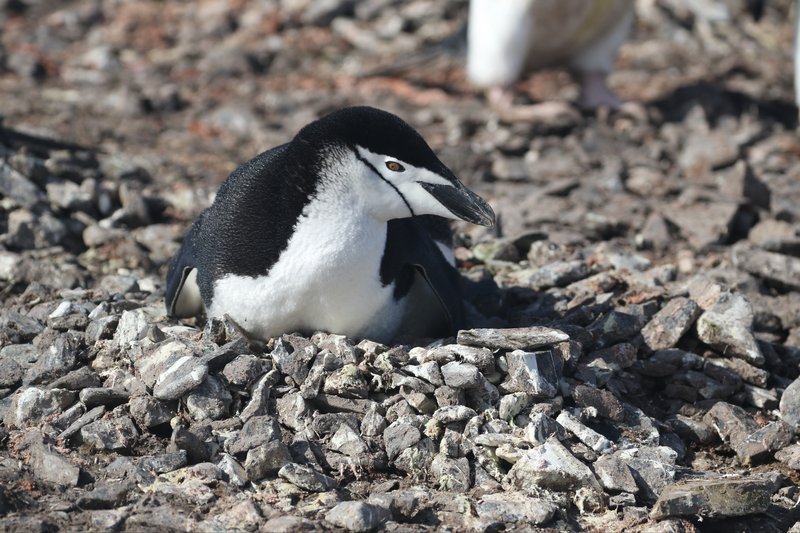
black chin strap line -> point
(392, 185)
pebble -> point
(110, 434)
(10, 373)
(399, 436)
(461, 375)
(32, 404)
(585, 434)
(257, 431)
(727, 325)
(266, 460)
(184, 375)
(47, 464)
(714, 498)
(516, 508)
(149, 412)
(550, 466)
(760, 444)
(512, 338)
(790, 405)
(86, 418)
(105, 496)
(534, 373)
(653, 467)
(666, 327)
(732, 423)
(615, 474)
(110, 397)
(357, 516)
(306, 478)
(606, 404)
(779, 269)
(211, 400)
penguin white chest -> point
(327, 278)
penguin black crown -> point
(343, 229)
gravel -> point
(631, 352)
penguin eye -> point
(394, 166)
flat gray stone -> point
(790, 404)
(398, 437)
(454, 413)
(132, 327)
(607, 405)
(653, 467)
(614, 474)
(293, 411)
(450, 474)
(293, 357)
(257, 431)
(534, 373)
(56, 360)
(108, 396)
(210, 401)
(714, 498)
(10, 373)
(429, 371)
(512, 338)
(357, 516)
(461, 375)
(266, 460)
(541, 427)
(732, 423)
(47, 464)
(149, 412)
(347, 381)
(760, 444)
(151, 366)
(551, 466)
(790, 456)
(105, 496)
(307, 478)
(483, 358)
(727, 327)
(585, 434)
(85, 419)
(110, 434)
(666, 327)
(348, 442)
(183, 376)
(245, 369)
(775, 268)
(29, 406)
(516, 508)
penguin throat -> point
(392, 185)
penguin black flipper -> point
(412, 254)
(182, 295)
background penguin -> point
(508, 38)
(326, 233)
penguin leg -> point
(595, 92)
(594, 63)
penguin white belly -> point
(327, 278)
(506, 38)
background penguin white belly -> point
(506, 39)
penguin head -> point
(392, 167)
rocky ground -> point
(635, 334)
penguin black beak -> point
(462, 202)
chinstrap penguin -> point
(343, 229)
